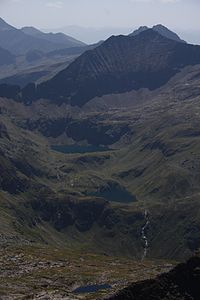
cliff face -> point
(182, 283)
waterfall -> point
(144, 235)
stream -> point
(144, 235)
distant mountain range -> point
(121, 64)
(58, 38)
(147, 58)
(20, 41)
(92, 35)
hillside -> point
(6, 58)
(104, 150)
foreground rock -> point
(182, 283)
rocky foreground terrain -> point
(39, 272)
(180, 283)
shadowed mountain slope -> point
(182, 283)
(120, 64)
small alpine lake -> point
(72, 149)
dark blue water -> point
(115, 195)
(92, 288)
(78, 149)
(113, 191)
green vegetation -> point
(55, 202)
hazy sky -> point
(177, 14)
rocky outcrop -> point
(182, 283)
(61, 213)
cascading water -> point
(144, 235)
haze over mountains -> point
(90, 35)
(21, 41)
(58, 38)
(31, 55)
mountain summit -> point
(164, 31)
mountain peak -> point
(160, 26)
(31, 30)
(162, 30)
(148, 34)
(139, 30)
